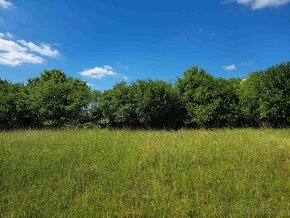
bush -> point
(197, 100)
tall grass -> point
(102, 173)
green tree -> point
(143, 104)
(118, 107)
(250, 98)
(93, 112)
(265, 97)
(197, 90)
(158, 105)
(228, 113)
(275, 98)
(57, 99)
(209, 102)
(197, 100)
(14, 108)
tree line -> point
(196, 100)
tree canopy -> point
(196, 100)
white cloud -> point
(90, 84)
(249, 63)
(42, 49)
(13, 54)
(123, 66)
(17, 58)
(5, 4)
(11, 46)
(107, 67)
(99, 72)
(258, 4)
(9, 35)
(6, 35)
(230, 67)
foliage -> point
(227, 111)
(158, 105)
(196, 91)
(265, 97)
(209, 102)
(14, 108)
(275, 97)
(144, 103)
(117, 106)
(250, 92)
(196, 100)
(57, 99)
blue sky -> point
(107, 41)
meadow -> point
(122, 173)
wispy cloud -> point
(230, 67)
(17, 58)
(202, 32)
(42, 49)
(125, 78)
(6, 35)
(248, 63)
(199, 30)
(259, 4)
(123, 66)
(90, 84)
(15, 53)
(5, 4)
(99, 72)
(11, 46)
(9, 35)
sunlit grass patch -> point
(185, 173)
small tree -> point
(14, 108)
(58, 100)
(197, 90)
(158, 105)
(118, 107)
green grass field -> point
(102, 173)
